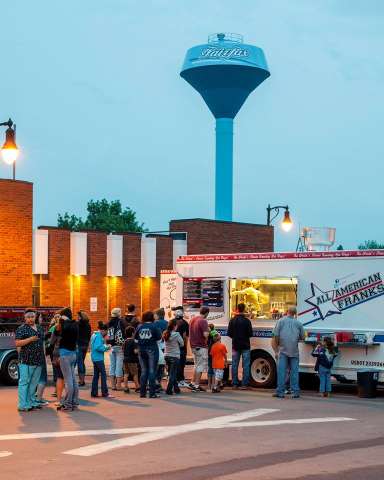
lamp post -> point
(9, 150)
(287, 223)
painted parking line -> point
(140, 435)
(294, 421)
(76, 433)
(122, 431)
(5, 453)
(229, 421)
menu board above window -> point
(207, 292)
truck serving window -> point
(265, 298)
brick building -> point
(92, 270)
(15, 242)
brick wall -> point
(204, 236)
(164, 259)
(127, 289)
(16, 203)
(94, 284)
(58, 288)
(55, 287)
(212, 236)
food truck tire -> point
(263, 369)
(9, 372)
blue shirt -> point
(98, 347)
(147, 335)
(162, 324)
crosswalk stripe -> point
(230, 421)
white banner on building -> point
(170, 291)
(93, 304)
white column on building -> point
(179, 249)
(114, 255)
(40, 252)
(148, 256)
(78, 253)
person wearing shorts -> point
(211, 373)
(198, 337)
(219, 361)
(115, 338)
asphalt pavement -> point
(233, 435)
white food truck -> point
(338, 294)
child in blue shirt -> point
(325, 355)
(98, 347)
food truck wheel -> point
(9, 372)
(263, 369)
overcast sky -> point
(101, 110)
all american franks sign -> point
(333, 302)
(216, 52)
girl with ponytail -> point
(173, 342)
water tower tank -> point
(224, 71)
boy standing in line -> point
(219, 362)
(131, 359)
(98, 348)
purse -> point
(119, 337)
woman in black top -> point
(67, 352)
(82, 344)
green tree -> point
(340, 247)
(103, 215)
(371, 245)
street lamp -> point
(287, 223)
(9, 150)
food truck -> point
(338, 294)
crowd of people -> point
(143, 351)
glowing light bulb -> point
(286, 224)
(9, 155)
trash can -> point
(367, 383)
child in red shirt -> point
(219, 361)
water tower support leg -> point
(224, 169)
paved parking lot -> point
(195, 436)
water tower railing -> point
(225, 36)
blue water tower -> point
(224, 71)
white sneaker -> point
(183, 384)
(193, 387)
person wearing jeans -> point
(285, 342)
(28, 380)
(148, 359)
(183, 329)
(173, 343)
(67, 351)
(147, 335)
(99, 371)
(98, 347)
(325, 355)
(67, 365)
(82, 344)
(245, 355)
(240, 330)
(29, 339)
(287, 364)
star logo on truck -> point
(323, 302)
